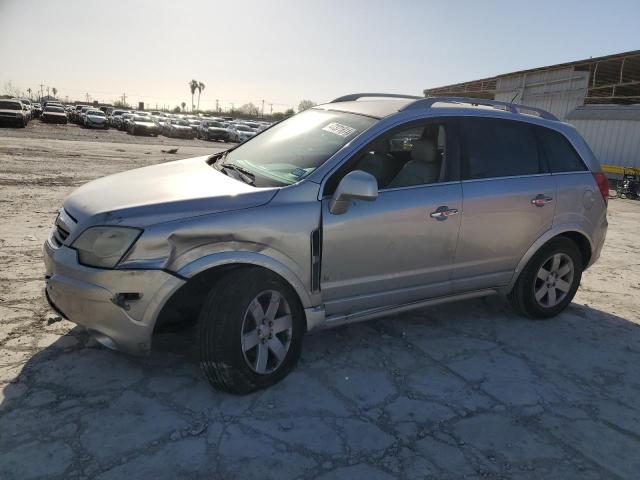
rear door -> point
(509, 199)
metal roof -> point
(606, 112)
(612, 79)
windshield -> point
(10, 105)
(54, 109)
(243, 128)
(216, 124)
(184, 123)
(140, 118)
(292, 149)
(98, 113)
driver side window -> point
(404, 157)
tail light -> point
(603, 185)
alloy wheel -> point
(266, 332)
(554, 280)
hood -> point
(96, 118)
(145, 124)
(161, 193)
(217, 129)
(181, 127)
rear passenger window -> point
(499, 148)
(560, 154)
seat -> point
(423, 168)
(380, 165)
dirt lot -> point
(467, 390)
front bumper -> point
(90, 124)
(91, 297)
(217, 136)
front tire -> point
(249, 331)
(549, 281)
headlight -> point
(104, 246)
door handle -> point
(541, 200)
(444, 212)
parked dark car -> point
(54, 114)
(37, 110)
(213, 130)
(12, 113)
(142, 125)
(122, 122)
(75, 115)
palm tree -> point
(193, 86)
(200, 89)
(184, 105)
(54, 90)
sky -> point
(283, 51)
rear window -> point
(54, 109)
(559, 153)
(499, 148)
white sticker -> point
(339, 129)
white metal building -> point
(612, 131)
(596, 95)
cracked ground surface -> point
(466, 390)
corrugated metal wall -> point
(615, 142)
(556, 91)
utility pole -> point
(124, 100)
(262, 111)
(48, 91)
(41, 91)
(271, 109)
(217, 105)
(232, 108)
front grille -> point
(62, 228)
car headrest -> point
(424, 150)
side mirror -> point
(356, 185)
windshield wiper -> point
(246, 175)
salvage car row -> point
(18, 113)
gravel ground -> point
(467, 390)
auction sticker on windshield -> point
(339, 129)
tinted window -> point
(499, 148)
(406, 157)
(10, 105)
(559, 153)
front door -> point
(399, 248)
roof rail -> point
(511, 107)
(355, 96)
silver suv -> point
(367, 206)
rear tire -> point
(240, 353)
(549, 281)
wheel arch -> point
(184, 304)
(574, 233)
